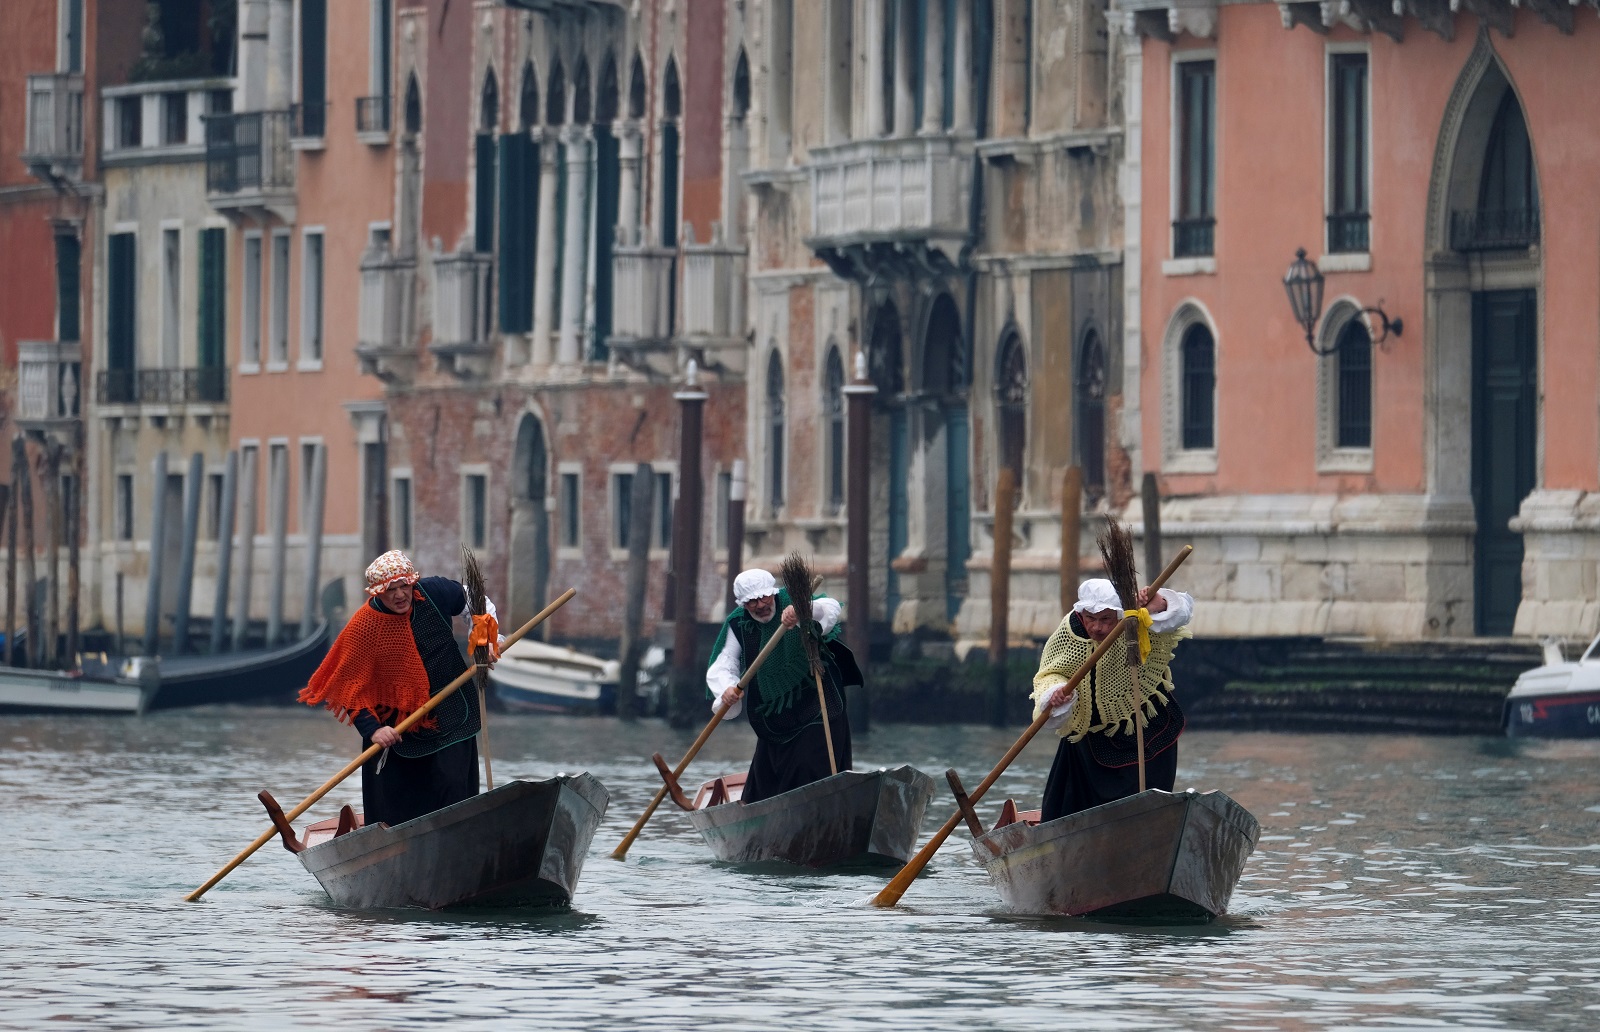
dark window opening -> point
(413, 105)
(636, 88)
(1195, 228)
(607, 102)
(1012, 400)
(1090, 388)
(775, 431)
(1507, 216)
(1349, 221)
(569, 510)
(580, 92)
(555, 96)
(1354, 386)
(741, 86)
(528, 103)
(1198, 367)
(833, 410)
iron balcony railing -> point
(1194, 238)
(1509, 229)
(308, 121)
(162, 386)
(248, 151)
(1349, 233)
(372, 114)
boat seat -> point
(726, 789)
(1009, 814)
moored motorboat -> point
(1560, 699)
(1156, 857)
(520, 845)
(532, 676)
(129, 691)
(854, 818)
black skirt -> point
(776, 768)
(409, 788)
(1077, 782)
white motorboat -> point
(1560, 699)
(532, 676)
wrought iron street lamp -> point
(1303, 283)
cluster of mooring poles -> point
(58, 466)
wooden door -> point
(1504, 447)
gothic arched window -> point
(528, 103)
(1090, 389)
(1011, 399)
(489, 109)
(1198, 388)
(775, 431)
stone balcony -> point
(250, 164)
(53, 138)
(644, 305)
(49, 385)
(385, 329)
(901, 201)
(713, 300)
(160, 121)
(462, 344)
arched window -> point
(555, 96)
(580, 92)
(528, 103)
(833, 410)
(1354, 386)
(1011, 400)
(1508, 194)
(489, 108)
(741, 86)
(775, 434)
(607, 101)
(1089, 388)
(636, 88)
(671, 108)
(672, 95)
(413, 115)
(1198, 387)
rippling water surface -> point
(1400, 883)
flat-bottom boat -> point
(129, 691)
(1156, 858)
(855, 818)
(521, 845)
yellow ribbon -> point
(1144, 618)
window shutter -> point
(213, 296)
(516, 309)
(121, 305)
(68, 253)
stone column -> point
(544, 269)
(933, 71)
(873, 86)
(629, 146)
(575, 261)
(905, 104)
(961, 67)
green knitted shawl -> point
(785, 673)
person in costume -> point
(791, 749)
(398, 650)
(1098, 761)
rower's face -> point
(397, 599)
(1100, 624)
(762, 608)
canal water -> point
(1401, 882)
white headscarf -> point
(753, 584)
(1096, 595)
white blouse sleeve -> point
(825, 611)
(1180, 607)
(724, 674)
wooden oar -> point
(355, 764)
(621, 852)
(891, 893)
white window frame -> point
(252, 294)
(402, 532)
(1330, 457)
(1174, 457)
(1347, 261)
(563, 470)
(306, 457)
(1207, 264)
(278, 315)
(467, 472)
(313, 302)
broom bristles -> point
(472, 580)
(796, 577)
(1116, 548)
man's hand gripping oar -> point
(355, 764)
(671, 781)
(891, 893)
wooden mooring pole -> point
(1150, 496)
(858, 541)
(632, 645)
(1071, 535)
(688, 676)
(1005, 496)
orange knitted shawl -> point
(373, 665)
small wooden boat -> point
(533, 677)
(1156, 857)
(268, 674)
(521, 845)
(854, 818)
(51, 691)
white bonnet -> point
(1096, 595)
(753, 584)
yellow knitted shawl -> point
(1112, 694)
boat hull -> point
(521, 845)
(275, 674)
(526, 691)
(44, 691)
(1560, 715)
(1154, 858)
(854, 818)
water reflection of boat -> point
(268, 673)
(128, 690)
(1560, 699)
(1156, 857)
(535, 677)
(521, 845)
(854, 818)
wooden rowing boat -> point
(51, 691)
(1155, 857)
(521, 845)
(854, 818)
(268, 674)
